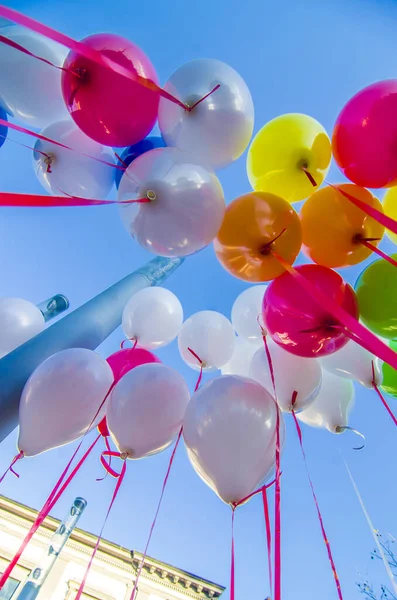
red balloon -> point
(121, 362)
(109, 108)
(364, 140)
(297, 322)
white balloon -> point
(332, 407)
(353, 362)
(241, 359)
(218, 129)
(291, 373)
(146, 410)
(153, 316)
(247, 312)
(186, 207)
(30, 89)
(210, 335)
(230, 435)
(61, 398)
(71, 173)
(20, 320)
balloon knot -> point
(124, 455)
(48, 160)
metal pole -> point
(53, 307)
(33, 584)
(85, 327)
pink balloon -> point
(121, 362)
(109, 108)
(297, 322)
(364, 140)
(124, 360)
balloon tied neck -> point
(265, 250)
(151, 196)
(304, 166)
(190, 108)
(124, 455)
(48, 160)
(358, 238)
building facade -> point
(112, 574)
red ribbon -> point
(200, 377)
(10, 468)
(352, 327)
(379, 252)
(48, 505)
(156, 514)
(120, 477)
(376, 214)
(320, 518)
(377, 390)
(86, 51)
(16, 46)
(232, 561)
(135, 340)
(268, 535)
(11, 199)
(56, 492)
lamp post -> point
(86, 327)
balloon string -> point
(190, 108)
(309, 176)
(56, 492)
(120, 477)
(135, 340)
(342, 428)
(200, 377)
(84, 50)
(121, 160)
(320, 517)
(109, 454)
(377, 390)
(171, 461)
(252, 494)
(379, 252)
(232, 560)
(376, 214)
(8, 42)
(351, 326)
(44, 138)
(47, 507)
(268, 536)
(10, 199)
(10, 468)
(46, 156)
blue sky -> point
(296, 56)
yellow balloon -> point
(289, 157)
(390, 209)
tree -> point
(390, 552)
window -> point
(8, 591)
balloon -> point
(153, 316)
(297, 322)
(390, 209)
(376, 289)
(218, 129)
(363, 140)
(62, 172)
(245, 312)
(353, 362)
(254, 224)
(109, 108)
(291, 373)
(146, 410)
(240, 362)
(61, 398)
(230, 435)
(20, 320)
(332, 407)
(332, 226)
(31, 89)
(210, 335)
(124, 360)
(389, 383)
(282, 150)
(3, 128)
(186, 205)
(132, 152)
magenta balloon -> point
(297, 322)
(364, 140)
(124, 360)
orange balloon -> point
(254, 224)
(334, 228)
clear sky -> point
(296, 56)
